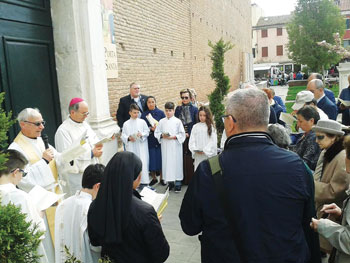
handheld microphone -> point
(46, 140)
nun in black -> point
(126, 227)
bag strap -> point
(216, 172)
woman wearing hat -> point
(332, 181)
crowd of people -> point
(263, 199)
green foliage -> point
(19, 242)
(5, 124)
(314, 21)
(70, 258)
(216, 98)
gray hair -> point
(27, 113)
(250, 107)
(318, 83)
(74, 107)
(279, 135)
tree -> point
(5, 124)
(216, 98)
(314, 21)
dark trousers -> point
(188, 167)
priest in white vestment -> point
(71, 219)
(134, 135)
(9, 178)
(41, 168)
(69, 133)
(201, 145)
(170, 133)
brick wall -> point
(163, 45)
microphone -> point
(46, 140)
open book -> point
(158, 201)
(105, 139)
(151, 120)
(42, 198)
(290, 120)
(346, 103)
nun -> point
(127, 228)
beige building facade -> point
(271, 40)
(163, 45)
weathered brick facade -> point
(163, 45)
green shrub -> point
(19, 242)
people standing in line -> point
(154, 148)
(10, 177)
(70, 132)
(332, 181)
(127, 228)
(134, 135)
(345, 110)
(327, 92)
(124, 104)
(188, 114)
(203, 139)
(317, 88)
(336, 227)
(267, 194)
(307, 147)
(171, 135)
(71, 219)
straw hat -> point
(328, 126)
(301, 98)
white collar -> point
(321, 98)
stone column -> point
(80, 63)
(344, 72)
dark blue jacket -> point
(270, 191)
(328, 107)
(279, 100)
(124, 108)
(194, 116)
(330, 95)
(272, 117)
(344, 95)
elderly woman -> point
(333, 181)
(279, 135)
(338, 235)
(126, 227)
(306, 147)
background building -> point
(271, 41)
(344, 6)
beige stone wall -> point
(163, 45)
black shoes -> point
(162, 182)
(153, 182)
(177, 189)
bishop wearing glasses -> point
(70, 132)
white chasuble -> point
(200, 141)
(140, 147)
(69, 133)
(172, 161)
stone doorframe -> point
(80, 63)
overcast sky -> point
(275, 8)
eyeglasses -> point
(37, 123)
(320, 137)
(84, 113)
(227, 115)
(185, 98)
(21, 170)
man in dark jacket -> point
(125, 102)
(345, 110)
(317, 88)
(269, 192)
(327, 92)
